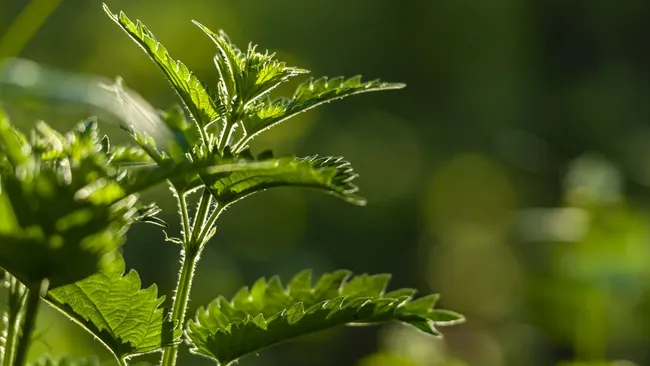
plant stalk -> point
(181, 300)
(190, 256)
(31, 312)
(13, 318)
(214, 215)
(185, 216)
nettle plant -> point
(67, 201)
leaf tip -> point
(355, 200)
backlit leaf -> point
(270, 313)
(112, 306)
(193, 93)
(331, 174)
(312, 93)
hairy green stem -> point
(34, 294)
(24, 28)
(13, 318)
(190, 257)
(191, 251)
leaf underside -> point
(111, 306)
(331, 174)
(269, 313)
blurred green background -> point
(512, 174)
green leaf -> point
(148, 145)
(11, 142)
(312, 93)
(111, 306)
(245, 77)
(66, 361)
(9, 223)
(129, 156)
(331, 174)
(183, 175)
(202, 106)
(269, 313)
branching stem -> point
(192, 247)
(181, 300)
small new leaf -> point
(112, 306)
(270, 313)
(331, 174)
(247, 75)
(202, 106)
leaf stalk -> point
(34, 294)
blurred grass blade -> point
(25, 27)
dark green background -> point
(511, 105)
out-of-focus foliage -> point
(464, 170)
(598, 363)
(48, 231)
